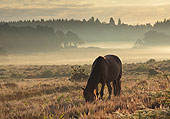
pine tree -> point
(97, 21)
(91, 20)
(119, 22)
(111, 22)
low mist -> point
(86, 55)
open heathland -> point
(54, 92)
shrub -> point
(10, 85)
(78, 74)
(151, 61)
(46, 74)
(154, 72)
(61, 74)
(141, 68)
(17, 75)
(2, 70)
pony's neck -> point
(92, 83)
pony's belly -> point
(111, 78)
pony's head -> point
(89, 95)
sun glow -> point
(128, 10)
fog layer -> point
(88, 55)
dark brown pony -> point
(104, 70)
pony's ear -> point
(83, 88)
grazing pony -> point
(104, 70)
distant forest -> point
(38, 39)
(53, 34)
(153, 39)
(92, 30)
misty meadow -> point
(53, 41)
(84, 59)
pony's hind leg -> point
(117, 86)
(109, 89)
(114, 86)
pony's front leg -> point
(102, 89)
(97, 93)
(109, 89)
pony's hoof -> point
(109, 97)
(100, 98)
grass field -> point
(54, 92)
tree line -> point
(92, 21)
(72, 22)
(91, 30)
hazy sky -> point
(130, 11)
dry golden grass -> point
(36, 92)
